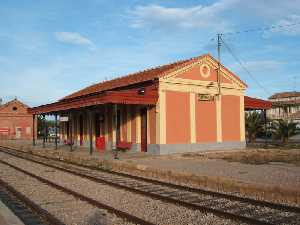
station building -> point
(15, 121)
(184, 106)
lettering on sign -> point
(205, 97)
(64, 119)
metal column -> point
(265, 120)
(70, 132)
(33, 130)
(90, 131)
(55, 131)
(44, 130)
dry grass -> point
(261, 156)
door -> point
(144, 130)
(18, 132)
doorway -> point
(144, 130)
(18, 132)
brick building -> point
(15, 121)
(178, 107)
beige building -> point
(285, 105)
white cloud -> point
(288, 26)
(259, 66)
(73, 38)
(198, 16)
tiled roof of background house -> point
(285, 94)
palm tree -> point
(254, 124)
(284, 129)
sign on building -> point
(205, 97)
(63, 119)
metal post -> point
(219, 64)
(90, 131)
(70, 132)
(55, 131)
(33, 130)
(116, 127)
(44, 130)
(265, 120)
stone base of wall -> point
(163, 149)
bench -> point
(124, 145)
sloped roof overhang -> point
(139, 96)
(256, 104)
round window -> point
(205, 70)
(15, 108)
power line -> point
(244, 68)
(261, 29)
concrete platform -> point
(7, 217)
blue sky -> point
(52, 48)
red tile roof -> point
(138, 77)
(255, 103)
(130, 79)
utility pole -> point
(219, 64)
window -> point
(14, 108)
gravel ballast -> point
(151, 210)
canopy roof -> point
(256, 104)
(143, 96)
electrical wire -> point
(279, 27)
(244, 67)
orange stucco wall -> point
(177, 117)
(206, 121)
(194, 74)
(230, 118)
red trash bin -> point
(100, 143)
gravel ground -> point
(146, 208)
(65, 207)
(279, 174)
(217, 203)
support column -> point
(193, 117)
(44, 130)
(265, 120)
(114, 127)
(33, 130)
(70, 132)
(55, 131)
(90, 115)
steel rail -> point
(167, 198)
(162, 183)
(77, 195)
(43, 214)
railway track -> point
(224, 205)
(61, 202)
(25, 209)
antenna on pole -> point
(219, 64)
